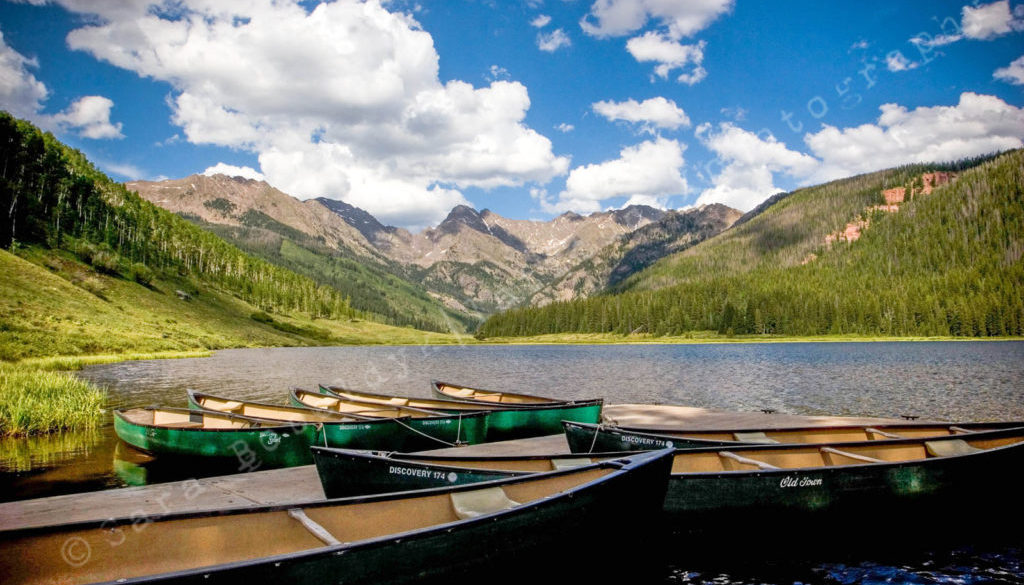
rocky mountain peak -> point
(463, 215)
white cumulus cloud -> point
(90, 117)
(552, 41)
(1012, 73)
(650, 171)
(670, 54)
(609, 18)
(340, 100)
(21, 93)
(657, 112)
(747, 166)
(989, 21)
(541, 21)
(233, 171)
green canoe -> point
(250, 443)
(350, 431)
(467, 394)
(505, 531)
(425, 429)
(503, 422)
(892, 484)
(586, 438)
(345, 472)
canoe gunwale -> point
(358, 419)
(435, 386)
(485, 406)
(194, 395)
(262, 421)
(434, 415)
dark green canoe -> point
(505, 531)
(249, 443)
(350, 431)
(425, 429)
(503, 422)
(468, 394)
(345, 472)
(731, 489)
(587, 438)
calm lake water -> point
(966, 381)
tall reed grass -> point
(34, 400)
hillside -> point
(98, 269)
(306, 237)
(946, 263)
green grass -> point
(34, 400)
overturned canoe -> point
(586, 438)
(394, 538)
(503, 423)
(465, 393)
(345, 472)
(427, 429)
(331, 429)
(180, 432)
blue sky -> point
(529, 108)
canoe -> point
(427, 429)
(249, 443)
(486, 531)
(350, 431)
(766, 486)
(885, 485)
(347, 472)
(503, 423)
(586, 438)
(465, 393)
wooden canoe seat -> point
(754, 437)
(480, 502)
(314, 528)
(569, 463)
(872, 431)
(746, 460)
(949, 448)
(828, 452)
(959, 431)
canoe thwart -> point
(950, 448)
(315, 529)
(959, 430)
(481, 502)
(856, 457)
(560, 463)
(746, 460)
(881, 433)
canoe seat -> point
(745, 460)
(754, 437)
(569, 463)
(480, 502)
(828, 452)
(949, 448)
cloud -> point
(669, 55)
(612, 18)
(552, 41)
(895, 61)
(21, 93)
(565, 128)
(1012, 73)
(748, 164)
(541, 21)
(977, 125)
(989, 21)
(90, 116)
(233, 171)
(656, 112)
(340, 100)
(981, 23)
(651, 170)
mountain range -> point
(472, 264)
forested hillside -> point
(948, 263)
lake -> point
(966, 381)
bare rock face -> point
(475, 261)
